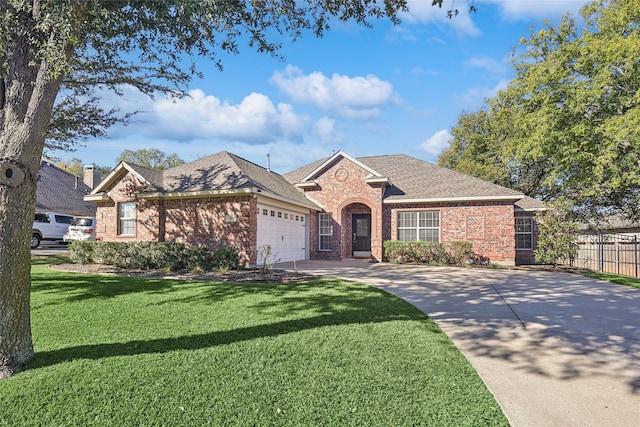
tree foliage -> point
(151, 158)
(480, 148)
(558, 233)
(568, 124)
(576, 102)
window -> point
(524, 233)
(279, 214)
(127, 218)
(265, 212)
(326, 231)
(42, 217)
(419, 225)
(64, 219)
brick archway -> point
(358, 209)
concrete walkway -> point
(555, 349)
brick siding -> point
(342, 191)
(211, 221)
(490, 226)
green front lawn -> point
(130, 351)
(615, 278)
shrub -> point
(226, 257)
(460, 252)
(394, 251)
(156, 255)
(143, 255)
(199, 258)
(430, 252)
(454, 252)
(81, 252)
(111, 253)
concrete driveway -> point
(555, 349)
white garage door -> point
(285, 231)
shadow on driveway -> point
(554, 348)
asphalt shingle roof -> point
(221, 171)
(413, 179)
(62, 192)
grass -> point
(130, 351)
(615, 278)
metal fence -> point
(609, 253)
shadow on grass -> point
(355, 315)
(316, 304)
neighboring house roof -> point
(412, 180)
(616, 223)
(221, 173)
(62, 192)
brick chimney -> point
(91, 175)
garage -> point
(285, 231)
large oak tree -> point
(79, 45)
(572, 115)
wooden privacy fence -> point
(609, 253)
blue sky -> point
(367, 91)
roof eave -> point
(246, 191)
(539, 209)
(308, 184)
(97, 197)
(309, 205)
(513, 198)
(379, 180)
(154, 195)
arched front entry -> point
(357, 229)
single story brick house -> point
(335, 208)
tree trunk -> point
(30, 87)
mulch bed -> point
(236, 276)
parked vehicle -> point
(82, 228)
(49, 226)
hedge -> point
(456, 252)
(154, 255)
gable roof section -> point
(219, 174)
(60, 191)
(320, 168)
(412, 180)
(529, 204)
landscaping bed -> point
(252, 275)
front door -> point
(361, 227)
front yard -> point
(115, 350)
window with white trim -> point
(127, 218)
(524, 232)
(325, 231)
(419, 226)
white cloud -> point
(200, 116)
(546, 9)
(399, 33)
(353, 97)
(422, 12)
(476, 96)
(434, 145)
(325, 130)
(489, 64)
(254, 119)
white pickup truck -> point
(49, 226)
